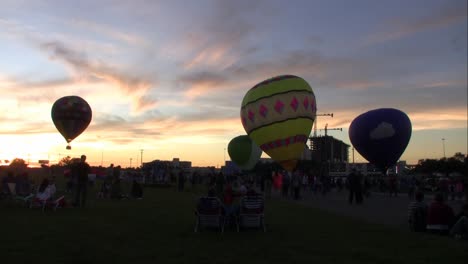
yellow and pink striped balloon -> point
(278, 115)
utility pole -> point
(130, 162)
(141, 159)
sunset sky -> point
(168, 77)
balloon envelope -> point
(278, 114)
(381, 135)
(244, 152)
(71, 116)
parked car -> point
(430, 184)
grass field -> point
(159, 229)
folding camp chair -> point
(10, 191)
(57, 203)
(251, 213)
(209, 214)
(51, 203)
(12, 188)
(13, 196)
(25, 200)
(20, 193)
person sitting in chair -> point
(46, 190)
(9, 184)
(417, 213)
(209, 202)
(23, 186)
(460, 228)
(439, 216)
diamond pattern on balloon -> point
(294, 104)
(251, 116)
(279, 106)
(306, 103)
(312, 104)
(263, 110)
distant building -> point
(4, 162)
(230, 168)
(328, 149)
(164, 171)
(368, 169)
(364, 168)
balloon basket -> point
(68, 147)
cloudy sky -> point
(168, 77)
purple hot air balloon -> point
(381, 136)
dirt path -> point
(378, 208)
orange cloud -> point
(216, 57)
(359, 85)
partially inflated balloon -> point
(381, 136)
(244, 152)
(71, 116)
(278, 114)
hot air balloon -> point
(278, 114)
(381, 136)
(71, 116)
(244, 152)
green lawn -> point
(159, 229)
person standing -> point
(459, 189)
(354, 186)
(82, 170)
(110, 171)
(268, 182)
(180, 181)
(296, 184)
(285, 185)
(220, 184)
(393, 182)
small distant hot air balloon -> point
(244, 152)
(71, 116)
(278, 115)
(381, 136)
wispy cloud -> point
(136, 87)
(400, 28)
(111, 32)
(443, 84)
(359, 85)
(83, 66)
(223, 39)
(198, 83)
